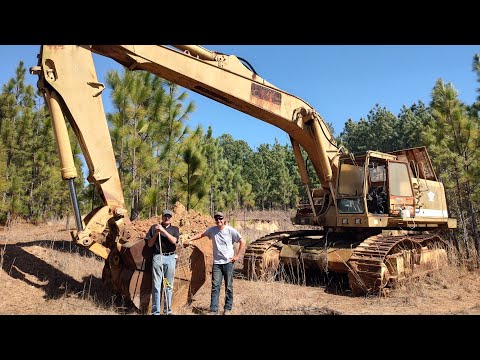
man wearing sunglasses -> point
(223, 237)
(163, 237)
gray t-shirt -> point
(223, 243)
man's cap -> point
(218, 214)
(167, 212)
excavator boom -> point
(224, 78)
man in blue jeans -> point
(164, 261)
(223, 237)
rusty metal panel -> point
(420, 157)
(314, 259)
(291, 251)
(137, 255)
(337, 259)
(266, 94)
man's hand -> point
(233, 259)
(186, 243)
(160, 228)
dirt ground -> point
(43, 272)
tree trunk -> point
(133, 182)
(188, 187)
(473, 222)
(461, 212)
(157, 186)
(169, 183)
(211, 201)
(455, 239)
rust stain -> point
(267, 94)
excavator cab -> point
(377, 184)
(377, 187)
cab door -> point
(400, 190)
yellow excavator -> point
(376, 215)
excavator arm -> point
(69, 83)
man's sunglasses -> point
(219, 218)
(167, 216)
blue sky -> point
(339, 81)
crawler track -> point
(261, 258)
(372, 266)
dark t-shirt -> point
(167, 246)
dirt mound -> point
(189, 222)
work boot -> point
(227, 312)
(212, 313)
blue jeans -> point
(219, 271)
(162, 266)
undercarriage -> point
(372, 264)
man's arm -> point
(194, 237)
(151, 237)
(159, 229)
(173, 239)
(241, 250)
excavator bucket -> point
(193, 270)
(130, 271)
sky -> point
(338, 81)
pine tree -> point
(138, 98)
(16, 112)
(284, 191)
(171, 134)
(236, 152)
(4, 184)
(476, 69)
(260, 179)
(192, 181)
(215, 164)
(410, 124)
(453, 138)
(377, 132)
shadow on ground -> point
(18, 264)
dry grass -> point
(42, 259)
(443, 291)
(265, 298)
(279, 298)
(449, 290)
(44, 273)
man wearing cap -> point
(223, 237)
(164, 261)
